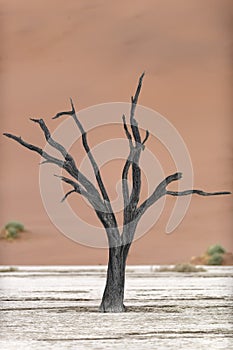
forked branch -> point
(48, 158)
(95, 167)
(79, 189)
(131, 201)
(68, 164)
(108, 207)
(86, 188)
(161, 190)
(158, 193)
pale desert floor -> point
(57, 308)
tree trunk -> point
(113, 296)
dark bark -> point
(113, 296)
(119, 245)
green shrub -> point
(215, 259)
(11, 230)
(16, 225)
(216, 248)
(11, 233)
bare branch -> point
(125, 187)
(135, 98)
(92, 160)
(130, 202)
(36, 149)
(76, 186)
(158, 193)
(134, 101)
(96, 204)
(91, 193)
(146, 137)
(79, 124)
(129, 137)
(161, 191)
(67, 194)
(70, 161)
(95, 167)
(136, 176)
(72, 183)
(50, 140)
(64, 113)
(68, 165)
(139, 146)
(44, 162)
(106, 218)
(199, 192)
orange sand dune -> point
(94, 51)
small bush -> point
(11, 230)
(11, 233)
(16, 225)
(215, 259)
(216, 248)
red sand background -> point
(94, 51)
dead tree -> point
(119, 242)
